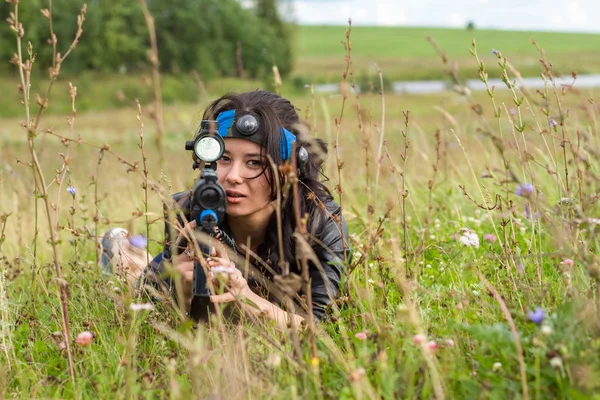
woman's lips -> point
(234, 197)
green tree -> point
(200, 35)
(278, 33)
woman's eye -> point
(224, 159)
(255, 163)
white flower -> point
(469, 238)
(497, 366)
(546, 330)
(556, 362)
(140, 307)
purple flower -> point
(536, 316)
(71, 190)
(552, 123)
(139, 241)
(495, 52)
(527, 211)
(524, 190)
(490, 237)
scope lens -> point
(209, 198)
(247, 125)
(208, 148)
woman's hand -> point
(225, 275)
(222, 272)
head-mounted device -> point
(244, 125)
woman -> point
(250, 225)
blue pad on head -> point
(286, 143)
(286, 138)
(225, 120)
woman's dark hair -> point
(274, 112)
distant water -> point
(424, 87)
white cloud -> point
(576, 14)
(568, 15)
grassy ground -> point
(428, 314)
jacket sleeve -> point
(332, 249)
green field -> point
(405, 54)
(401, 53)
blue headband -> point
(286, 138)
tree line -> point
(212, 37)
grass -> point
(404, 53)
(442, 156)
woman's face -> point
(240, 172)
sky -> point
(548, 15)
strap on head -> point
(227, 129)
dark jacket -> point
(328, 242)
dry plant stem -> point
(158, 106)
(40, 183)
(404, 157)
(563, 121)
(514, 330)
(381, 131)
(145, 172)
(57, 59)
(66, 158)
(97, 205)
(301, 228)
(338, 122)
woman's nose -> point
(233, 174)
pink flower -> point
(419, 338)
(449, 342)
(568, 262)
(362, 336)
(85, 338)
(432, 345)
(490, 237)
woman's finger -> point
(222, 298)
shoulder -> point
(327, 221)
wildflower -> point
(71, 190)
(139, 241)
(556, 362)
(490, 237)
(432, 345)
(362, 336)
(568, 262)
(85, 338)
(140, 307)
(419, 338)
(469, 238)
(274, 360)
(496, 366)
(546, 330)
(552, 123)
(524, 190)
(536, 316)
(527, 211)
(449, 342)
(495, 52)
